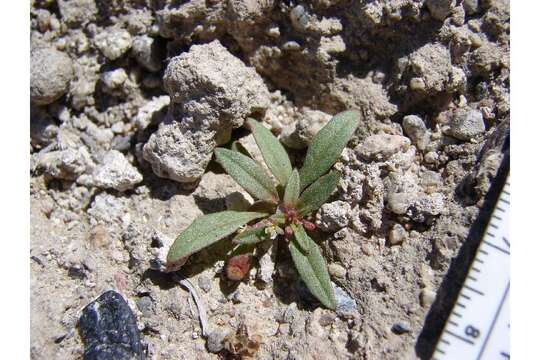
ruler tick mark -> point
(482, 251)
(493, 225)
(497, 247)
(459, 337)
(444, 341)
(473, 289)
(497, 217)
(475, 269)
(453, 323)
(504, 201)
(479, 260)
(439, 350)
(457, 314)
(472, 278)
(490, 234)
(500, 209)
(460, 305)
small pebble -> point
(417, 84)
(401, 327)
(204, 283)
(214, 342)
(345, 305)
(397, 235)
(427, 297)
(146, 305)
(467, 124)
(416, 130)
(291, 46)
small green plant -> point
(285, 207)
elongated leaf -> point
(272, 151)
(251, 236)
(327, 146)
(312, 269)
(292, 191)
(247, 173)
(263, 206)
(206, 230)
(301, 237)
(317, 193)
(237, 146)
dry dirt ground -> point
(130, 97)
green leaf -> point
(206, 230)
(312, 269)
(272, 151)
(317, 193)
(292, 191)
(251, 236)
(247, 173)
(263, 206)
(327, 146)
(237, 146)
(301, 237)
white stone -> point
(116, 173)
(113, 42)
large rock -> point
(211, 93)
(109, 329)
(50, 74)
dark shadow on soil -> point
(451, 285)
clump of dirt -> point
(129, 100)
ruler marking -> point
(459, 337)
(439, 350)
(482, 330)
(473, 289)
(493, 321)
(497, 247)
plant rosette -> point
(285, 202)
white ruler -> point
(479, 325)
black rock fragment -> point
(109, 329)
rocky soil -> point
(129, 98)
